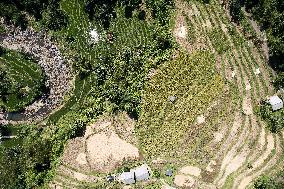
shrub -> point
(274, 119)
(235, 10)
(279, 81)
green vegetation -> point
(140, 31)
(270, 182)
(135, 66)
(191, 34)
(28, 165)
(22, 81)
(269, 14)
(163, 125)
(115, 71)
(279, 81)
(219, 40)
(2, 29)
(110, 75)
(274, 119)
(10, 130)
(46, 11)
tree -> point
(235, 10)
(279, 81)
(270, 16)
(11, 168)
(54, 18)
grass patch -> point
(219, 40)
(191, 33)
(130, 32)
(163, 125)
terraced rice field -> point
(233, 138)
(247, 148)
(123, 28)
(128, 33)
(27, 75)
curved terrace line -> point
(49, 58)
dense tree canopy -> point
(13, 12)
(270, 16)
(11, 168)
(104, 11)
(270, 182)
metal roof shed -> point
(169, 172)
(142, 173)
(127, 177)
(276, 103)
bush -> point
(156, 173)
(54, 19)
(270, 182)
(264, 182)
(273, 118)
(270, 16)
(279, 81)
(235, 10)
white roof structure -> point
(276, 103)
(94, 35)
(141, 173)
(127, 177)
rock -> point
(233, 74)
(200, 119)
(248, 87)
(181, 32)
(127, 187)
(172, 98)
(218, 137)
(210, 166)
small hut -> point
(127, 177)
(169, 172)
(142, 173)
(275, 102)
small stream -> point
(9, 131)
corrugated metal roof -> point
(275, 100)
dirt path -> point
(246, 180)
